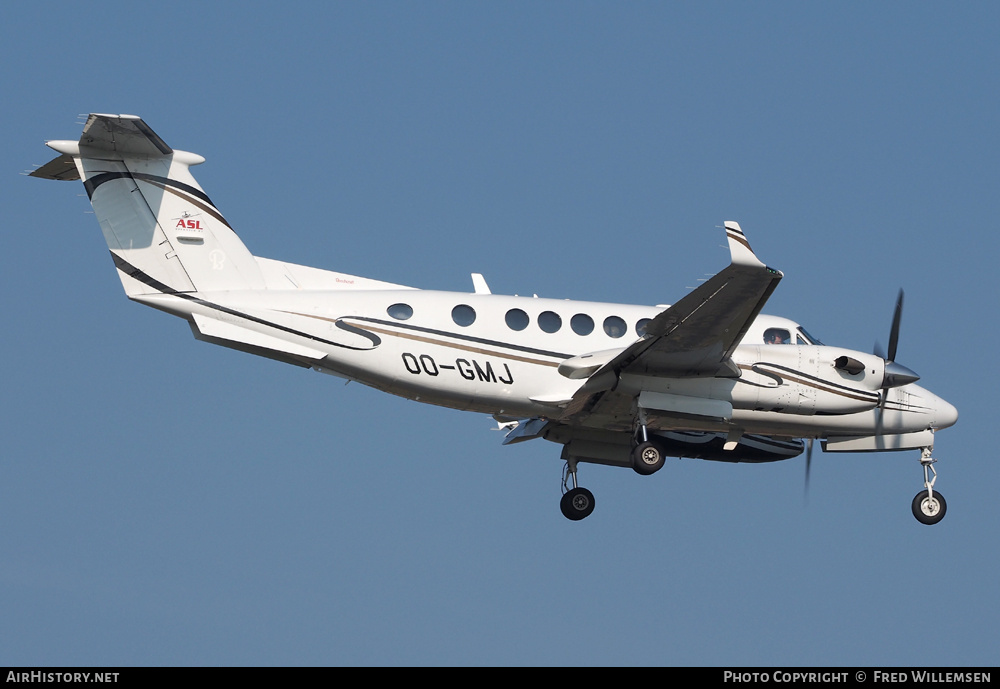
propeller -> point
(895, 374)
(809, 459)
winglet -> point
(739, 247)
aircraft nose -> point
(945, 414)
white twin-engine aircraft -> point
(709, 377)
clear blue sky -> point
(164, 501)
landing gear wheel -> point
(929, 509)
(647, 458)
(577, 503)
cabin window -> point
(463, 315)
(777, 336)
(549, 321)
(516, 319)
(582, 324)
(614, 326)
(640, 327)
(400, 312)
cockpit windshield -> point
(784, 336)
(809, 338)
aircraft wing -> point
(694, 337)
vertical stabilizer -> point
(164, 232)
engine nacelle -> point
(806, 379)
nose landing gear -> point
(576, 503)
(929, 506)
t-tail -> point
(164, 232)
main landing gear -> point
(577, 503)
(929, 506)
(647, 456)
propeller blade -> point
(894, 333)
(896, 375)
(809, 459)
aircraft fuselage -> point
(487, 366)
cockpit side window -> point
(777, 336)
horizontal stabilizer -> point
(62, 168)
(124, 135)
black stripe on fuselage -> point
(814, 381)
(137, 274)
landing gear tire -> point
(577, 503)
(647, 458)
(929, 509)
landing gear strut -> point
(576, 502)
(929, 506)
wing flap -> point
(684, 404)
